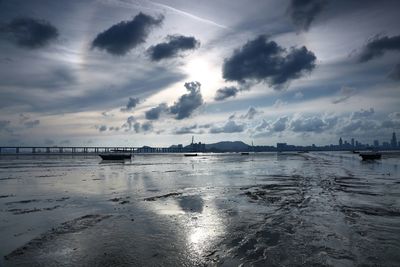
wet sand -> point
(290, 209)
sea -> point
(228, 209)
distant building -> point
(352, 141)
(385, 144)
(393, 142)
(376, 143)
(198, 147)
(281, 146)
(340, 142)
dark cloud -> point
(147, 126)
(132, 124)
(226, 92)
(262, 126)
(132, 103)
(29, 32)
(262, 60)
(129, 124)
(154, 113)
(230, 127)
(206, 126)
(102, 128)
(280, 124)
(171, 48)
(120, 38)
(377, 46)
(309, 124)
(186, 130)
(395, 73)
(113, 128)
(107, 114)
(251, 113)
(304, 12)
(187, 103)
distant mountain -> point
(228, 146)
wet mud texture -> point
(283, 210)
(39, 246)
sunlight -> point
(209, 75)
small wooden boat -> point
(115, 156)
(370, 155)
(190, 155)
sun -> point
(208, 74)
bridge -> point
(83, 150)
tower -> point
(340, 142)
(393, 142)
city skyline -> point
(135, 73)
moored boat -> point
(115, 156)
(370, 155)
(190, 155)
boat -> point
(356, 152)
(115, 156)
(244, 153)
(190, 155)
(370, 155)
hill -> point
(236, 146)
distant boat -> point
(115, 156)
(356, 152)
(244, 153)
(370, 155)
(190, 155)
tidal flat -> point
(263, 209)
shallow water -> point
(266, 209)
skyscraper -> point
(393, 142)
(340, 142)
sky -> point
(134, 73)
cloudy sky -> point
(138, 72)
